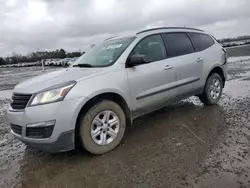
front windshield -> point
(104, 54)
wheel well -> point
(219, 71)
(108, 96)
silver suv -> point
(89, 104)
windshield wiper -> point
(83, 65)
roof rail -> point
(158, 28)
(110, 38)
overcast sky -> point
(30, 25)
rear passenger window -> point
(178, 44)
(201, 41)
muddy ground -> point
(184, 145)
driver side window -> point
(151, 46)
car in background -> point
(65, 61)
(71, 61)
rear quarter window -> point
(201, 41)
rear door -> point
(188, 64)
(208, 52)
(152, 84)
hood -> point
(44, 81)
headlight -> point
(53, 94)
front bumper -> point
(64, 113)
(65, 142)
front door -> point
(152, 85)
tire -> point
(87, 125)
(209, 98)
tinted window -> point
(201, 41)
(178, 44)
(152, 46)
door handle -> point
(199, 59)
(168, 67)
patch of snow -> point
(178, 144)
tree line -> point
(37, 56)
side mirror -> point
(137, 60)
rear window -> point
(178, 44)
(201, 41)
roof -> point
(154, 29)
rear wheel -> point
(213, 90)
(102, 127)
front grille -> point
(19, 101)
(39, 132)
(16, 128)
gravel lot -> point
(183, 145)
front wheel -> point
(213, 90)
(102, 127)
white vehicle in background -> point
(72, 61)
(52, 62)
(65, 61)
(47, 62)
(58, 62)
